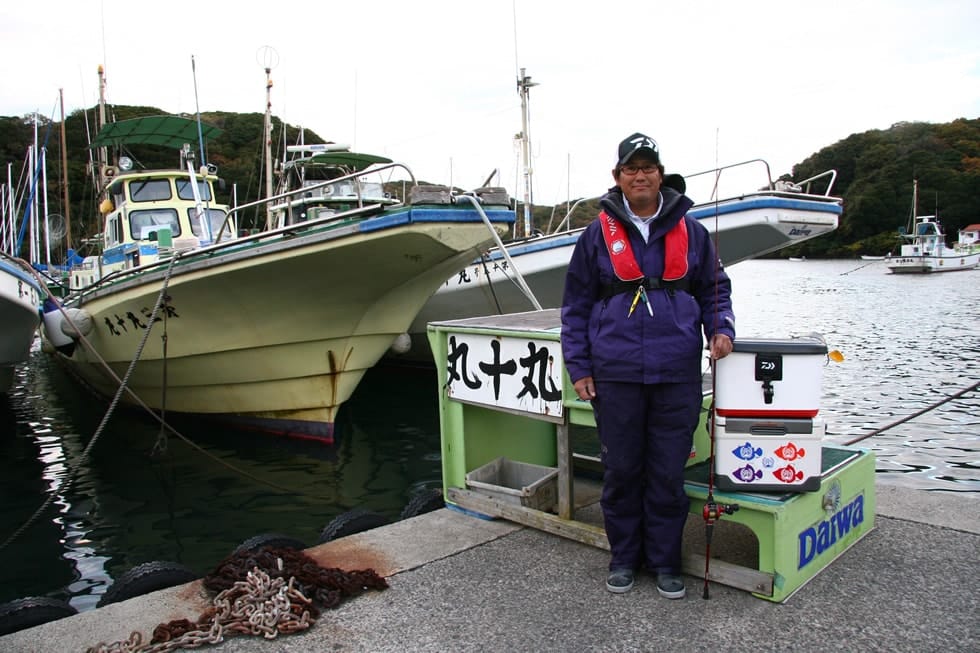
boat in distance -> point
(924, 249)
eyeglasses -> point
(631, 169)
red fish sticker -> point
(789, 452)
(788, 474)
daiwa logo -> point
(817, 539)
(611, 223)
(800, 232)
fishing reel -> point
(713, 511)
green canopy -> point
(169, 131)
(353, 160)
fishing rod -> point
(957, 395)
(713, 510)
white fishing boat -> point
(269, 328)
(924, 249)
(20, 301)
(529, 274)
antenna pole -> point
(524, 83)
(268, 146)
(197, 108)
(64, 171)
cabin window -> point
(113, 231)
(150, 190)
(216, 218)
(186, 192)
(146, 221)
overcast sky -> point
(432, 83)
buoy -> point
(52, 320)
(145, 578)
(80, 318)
(353, 521)
(31, 611)
(402, 344)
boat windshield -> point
(186, 192)
(216, 218)
(150, 190)
(146, 221)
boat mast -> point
(64, 171)
(103, 152)
(268, 146)
(524, 83)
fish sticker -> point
(747, 474)
(746, 451)
(788, 474)
(789, 452)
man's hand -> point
(721, 346)
(585, 388)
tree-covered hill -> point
(875, 173)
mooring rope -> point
(915, 414)
(860, 267)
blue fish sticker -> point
(747, 474)
(746, 451)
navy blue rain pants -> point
(646, 432)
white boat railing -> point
(518, 277)
(795, 187)
(318, 221)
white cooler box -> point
(768, 454)
(771, 378)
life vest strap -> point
(618, 287)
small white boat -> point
(924, 249)
(870, 257)
(20, 301)
(529, 274)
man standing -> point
(642, 285)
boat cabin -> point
(328, 182)
(149, 215)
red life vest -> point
(621, 251)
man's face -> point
(640, 180)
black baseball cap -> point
(638, 143)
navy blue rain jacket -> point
(597, 337)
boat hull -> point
(277, 334)
(20, 297)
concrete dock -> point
(459, 583)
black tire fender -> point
(423, 502)
(276, 540)
(31, 611)
(353, 521)
(145, 578)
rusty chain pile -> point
(262, 592)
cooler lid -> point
(803, 345)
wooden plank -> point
(545, 521)
(726, 573)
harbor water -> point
(137, 494)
